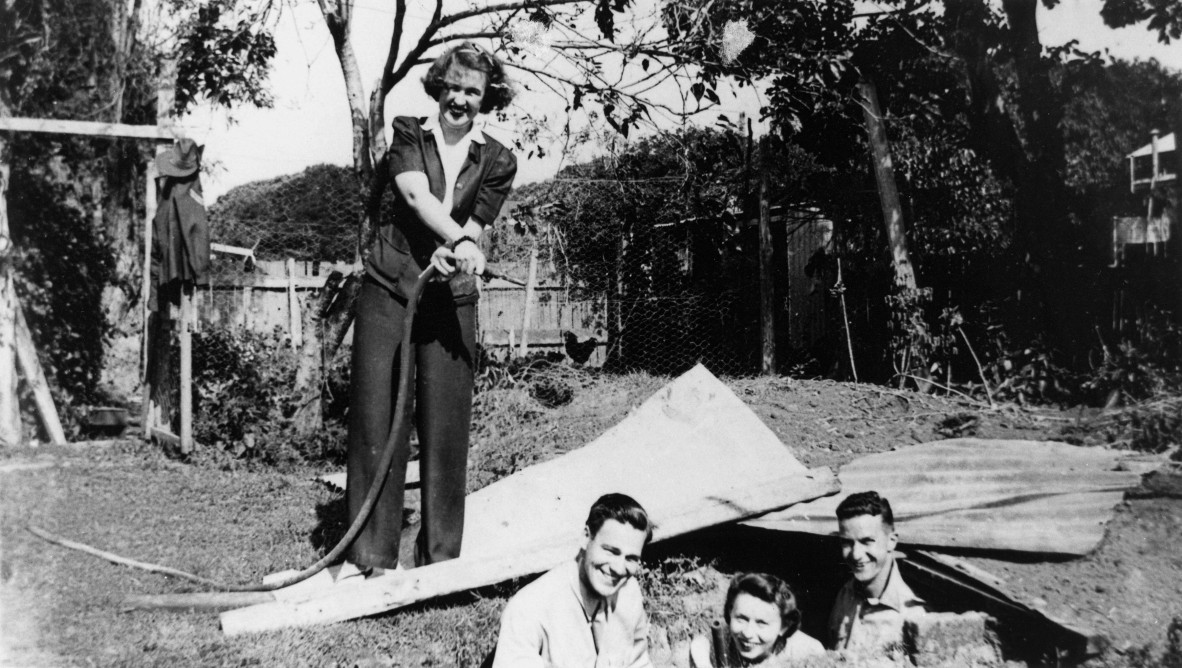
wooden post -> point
(767, 293)
(26, 355)
(244, 316)
(156, 332)
(530, 284)
(10, 417)
(146, 285)
(186, 337)
(294, 321)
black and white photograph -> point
(590, 333)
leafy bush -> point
(62, 264)
(243, 399)
(312, 215)
(1030, 375)
(1145, 364)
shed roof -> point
(1030, 496)
(1164, 143)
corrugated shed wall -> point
(1031, 496)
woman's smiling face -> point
(461, 97)
(755, 625)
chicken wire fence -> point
(625, 297)
(656, 296)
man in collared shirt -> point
(587, 612)
(870, 609)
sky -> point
(309, 123)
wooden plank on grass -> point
(693, 454)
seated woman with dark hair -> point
(764, 625)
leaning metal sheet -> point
(693, 454)
(1028, 496)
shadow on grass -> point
(332, 523)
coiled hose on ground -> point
(398, 434)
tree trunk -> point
(767, 292)
(1058, 268)
(888, 192)
(910, 341)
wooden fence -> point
(272, 295)
(275, 293)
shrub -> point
(243, 399)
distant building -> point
(1146, 267)
(1151, 169)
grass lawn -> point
(237, 523)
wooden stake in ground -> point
(767, 293)
(295, 328)
(529, 301)
(186, 336)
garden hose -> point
(398, 434)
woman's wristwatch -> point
(459, 241)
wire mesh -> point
(655, 294)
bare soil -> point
(237, 523)
(1129, 589)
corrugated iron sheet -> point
(1030, 496)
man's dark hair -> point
(866, 503)
(621, 508)
(769, 589)
(497, 95)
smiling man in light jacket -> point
(587, 612)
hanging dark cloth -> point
(180, 252)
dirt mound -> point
(1128, 589)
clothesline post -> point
(10, 418)
(156, 330)
(186, 336)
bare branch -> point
(439, 41)
(506, 7)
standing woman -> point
(449, 180)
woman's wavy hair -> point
(471, 55)
(769, 589)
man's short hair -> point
(866, 503)
(623, 509)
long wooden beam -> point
(30, 365)
(90, 128)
